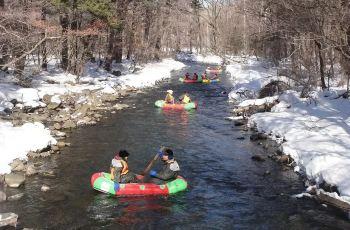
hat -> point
(169, 91)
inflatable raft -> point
(102, 182)
(190, 80)
(207, 81)
(177, 106)
(214, 70)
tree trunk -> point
(43, 46)
(118, 46)
(64, 21)
(2, 4)
(322, 65)
(109, 57)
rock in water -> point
(258, 157)
(8, 219)
(15, 197)
(2, 196)
(14, 180)
(45, 188)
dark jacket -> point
(170, 170)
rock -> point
(97, 115)
(57, 126)
(8, 219)
(61, 144)
(31, 170)
(240, 138)
(59, 134)
(15, 197)
(239, 122)
(267, 172)
(258, 157)
(45, 188)
(116, 73)
(14, 102)
(14, 180)
(46, 154)
(120, 106)
(2, 196)
(258, 136)
(55, 148)
(50, 174)
(18, 165)
(53, 105)
(69, 124)
(284, 159)
(47, 99)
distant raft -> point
(207, 81)
(102, 182)
(177, 106)
(214, 70)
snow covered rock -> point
(14, 180)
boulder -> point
(284, 159)
(15, 197)
(61, 144)
(57, 126)
(97, 115)
(2, 196)
(69, 124)
(47, 99)
(18, 165)
(8, 219)
(258, 157)
(55, 148)
(258, 136)
(14, 180)
(31, 170)
(53, 105)
(239, 122)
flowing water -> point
(227, 190)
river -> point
(227, 190)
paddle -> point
(150, 164)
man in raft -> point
(169, 99)
(171, 168)
(119, 169)
(187, 76)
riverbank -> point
(35, 120)
(314, 132)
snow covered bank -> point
(16, 142)
(248, 76)
(152, 73)
(206, 59)
(317, 136)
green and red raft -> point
(176, 106)
(102, 182)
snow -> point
(248, 76)
(152, 73)
(16, 142)
(262, 101)
(317, 135)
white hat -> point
(169, 91)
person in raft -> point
(171, 168)
(187, 76)
(215, 77)
(204, 76)
(169, 98)
(185, 98)
(195, 77)
(119, 169)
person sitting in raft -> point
(169, 99)
(195, 77)
(171, 168)
(204, 76)
(119, 169)
(187, 76)
(185, 98)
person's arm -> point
(165, 174)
